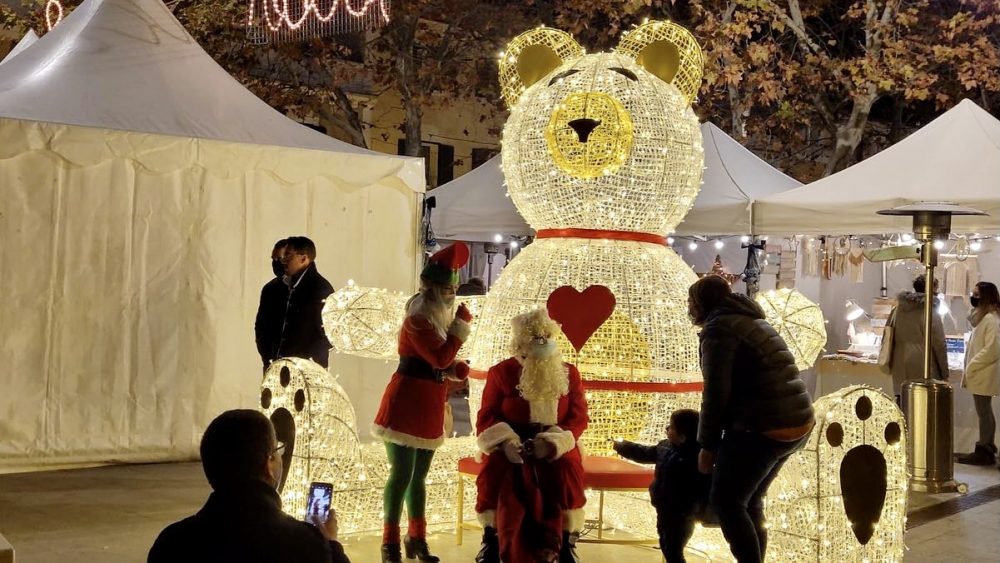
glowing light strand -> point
(294, 20)
(53, 4)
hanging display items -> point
(276, 21)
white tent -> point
(475, 206)
(954, 158)
(143, 189)
(25, 42)
(733, 178)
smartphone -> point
(319, 501)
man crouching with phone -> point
(242, 519)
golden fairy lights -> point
(798, 321)
(301, 19)
(313, 416)
(365, 321)
(53, 14)
(670, 52)
(843, 496)
(551, 47)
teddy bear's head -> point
(603, 141)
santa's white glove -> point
(512, 450)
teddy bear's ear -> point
(669, 52)
(529, 57)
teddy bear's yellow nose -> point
(589, 134)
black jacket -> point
(300, 324)
(270, 316)
(751, 382)
(246, 525)
(677, 485)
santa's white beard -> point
(543, 382)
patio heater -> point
(927, 403)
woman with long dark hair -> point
(755, 411)
(982, 369)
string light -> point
(938, 244)
(823, 505)
(719, 244)
(692, 245)
(53, 6)
(288, 20)
(314, 417)
(364, 321)
(638, 171)
(744, 239)
(798, 321)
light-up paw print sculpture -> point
(843, 496)
(314, 418)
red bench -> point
(601, 474)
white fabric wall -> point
(131, 267)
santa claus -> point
(530, 491)
(410, 418)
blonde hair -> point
(430, 304)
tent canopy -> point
(25, 42)
(954, 158)
(129, 65)
(733, 178)
(149, 188)
(476, 207)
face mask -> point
(543, 349)
(277, 268)
(974, 301)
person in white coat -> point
(982, 369)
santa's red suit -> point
(543, 497)
(412, 409)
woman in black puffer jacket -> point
(755, 410)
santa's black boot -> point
(489, 552)
(568, 552)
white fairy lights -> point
(292, 20)
(53, 14)
(364, 321)
(843, 496)
(314, 417)
(798, 321)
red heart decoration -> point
(581, 314)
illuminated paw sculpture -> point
(314, 418)
(843, 496)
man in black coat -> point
(242, 520)
(271, 312)
(300, 327)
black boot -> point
(391, 553)
(568, 552)
(416, 548)
(490, 550)
(982, 456)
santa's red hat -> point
(442, 268)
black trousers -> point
(674, 527)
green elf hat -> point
(442, 268)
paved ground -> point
(112, 515)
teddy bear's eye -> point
(562, 75)
(625, 72)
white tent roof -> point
(954, 158)
(475, 206)
(733, 178)
(25, 42)
(130, 65)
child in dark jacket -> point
(679, 491)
